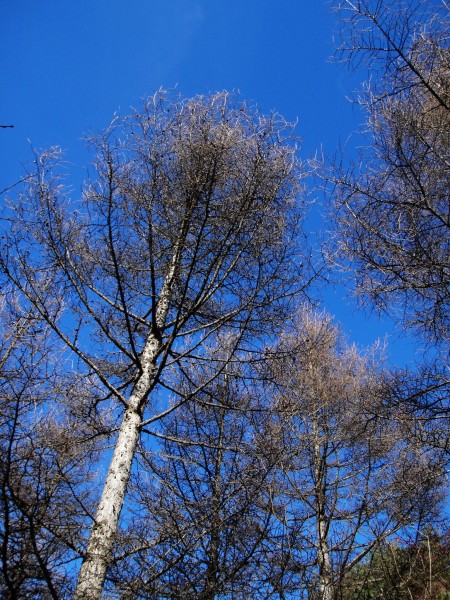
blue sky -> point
(66, 67)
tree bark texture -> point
(93, 571)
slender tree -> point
(189, 228)
(351, 474)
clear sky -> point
(66, 66)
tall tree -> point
(351, 475)
(189, 228)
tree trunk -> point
(93, 570)
(325, 578)
(320, 466)
(92, 574)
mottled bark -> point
(92, 574)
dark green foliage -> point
(404, 571)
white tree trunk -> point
(92, 574)
(93, 570)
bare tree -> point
(351, 473)
(392, 210)
(189, 228)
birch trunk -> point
(93, 570)
(92, 574)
